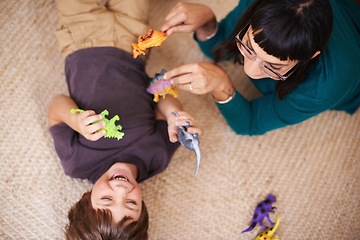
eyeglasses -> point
(264, 67)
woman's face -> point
(118, 191)
(253, 68)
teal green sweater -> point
(333, 82)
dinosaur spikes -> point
(152, 39)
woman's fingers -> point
(190, 77)
(187, 17)
(178, 74)
(199, 78)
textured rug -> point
(312, 168)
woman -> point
(302, 55)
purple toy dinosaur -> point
(160, 87)
(262, 210)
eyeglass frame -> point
(280, 76)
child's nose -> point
(122, 186)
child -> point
(101, 74)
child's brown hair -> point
(85, 222)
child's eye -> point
(131, 202)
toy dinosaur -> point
(261, 211)
(152, 39)
(112, 130)
(190, 141)
(268, 233)
(160, 87)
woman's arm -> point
(225, 28)
(267, 113)
(60, 112)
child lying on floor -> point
(101, 74)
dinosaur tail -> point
(198, 156)
(253, 224)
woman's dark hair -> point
(286, 29)
(86, 223)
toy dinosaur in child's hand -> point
(268, 233)
(190, 141)
(160, 87)
(112, 130)
(152, 39)
(261, 211)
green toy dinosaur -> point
(112, 130)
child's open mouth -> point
(119, 176)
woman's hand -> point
(200, 78)
(83, 125)
(175, 121)
(190, 17)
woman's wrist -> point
(223, 96)
(230, 97)
(207, 31)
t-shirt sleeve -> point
(158, 150)
(77, 160)
(65, 142)
(63, 136)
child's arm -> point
(60, 112)
(164, 109)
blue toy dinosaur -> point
(190, 141)
(262, 210)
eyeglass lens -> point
(248, 54)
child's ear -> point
(315, 54)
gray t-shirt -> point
(109, 78)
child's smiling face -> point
(118, 191)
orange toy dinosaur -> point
(152, 39)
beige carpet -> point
(312, 168)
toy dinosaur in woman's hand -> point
(160, 87)
(152, 39)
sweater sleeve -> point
(267, 113)
(226, 27)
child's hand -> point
(83, 124)
(175, 121)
